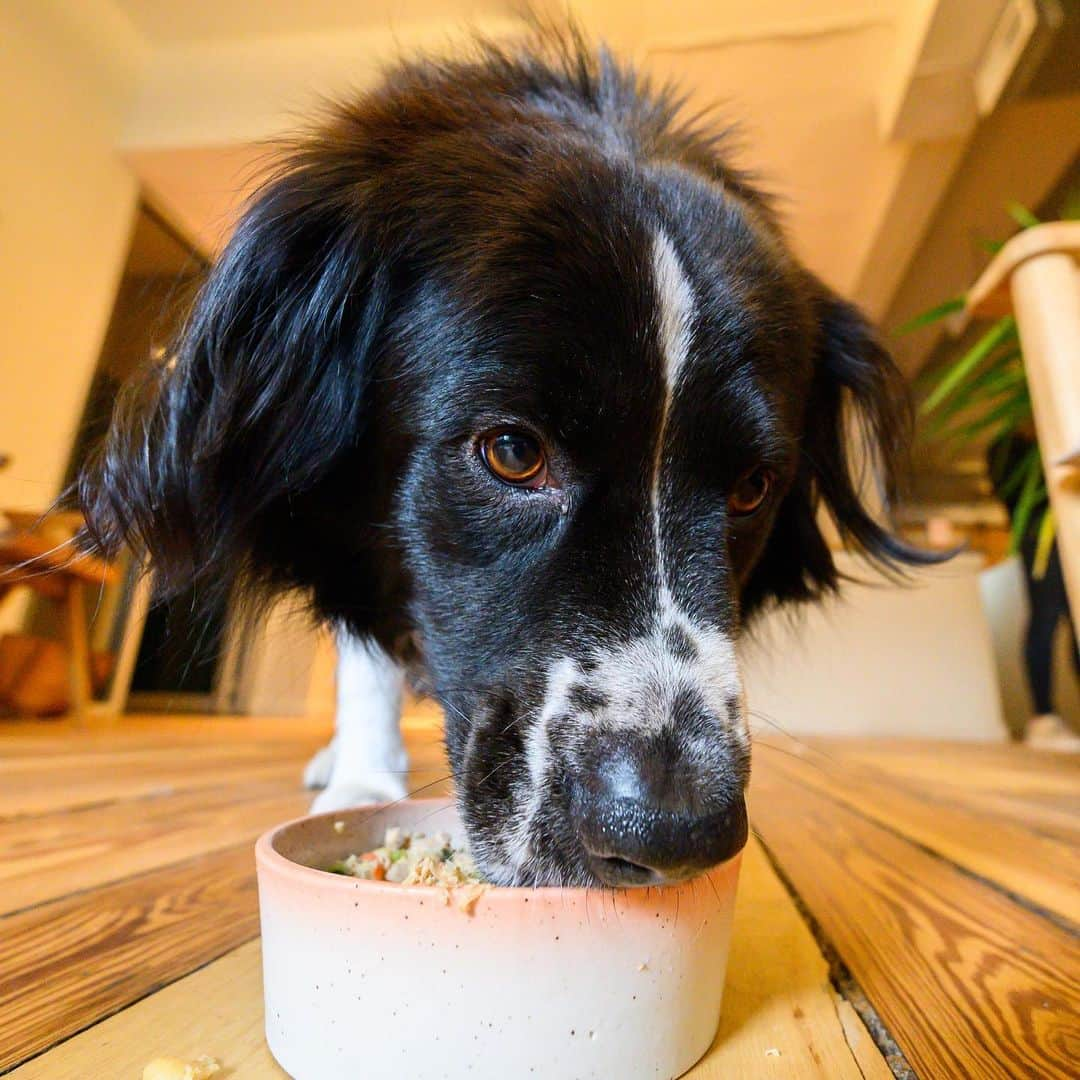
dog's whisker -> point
(807, 751)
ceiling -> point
(157, 251)
(166, 22)
(802, 88)
(808, 131)
(804, 83)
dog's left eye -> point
(514, 457)
(749, 492)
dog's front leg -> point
(365, 762)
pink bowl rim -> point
(272, 862)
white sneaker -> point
(1049, 732)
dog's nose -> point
(642, 822)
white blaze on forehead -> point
(675, 313)
(675, 300)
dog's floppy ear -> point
(857, 396)
(260, 396)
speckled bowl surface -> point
(365, 979)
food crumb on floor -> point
(772, 1052)
(170, 1068)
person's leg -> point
(1045, 611)
(1049, 605)
(1038, 658)
(366, 760)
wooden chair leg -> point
(78, 642)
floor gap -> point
(843, 982)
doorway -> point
(178, 661)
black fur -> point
(467, 247)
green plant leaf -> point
(928, 378)
(1000, 332)
(1022, 215)
(992, 246)
(1030, 495)
(1009, 414)
(1015, 479)
(1044, 544)
(995, 379)
(933, 315)
(1070, 208)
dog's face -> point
(496, 366)
(599, 428)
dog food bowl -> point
(368, 979)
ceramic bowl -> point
(368, 979)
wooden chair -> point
(1035, 276)
(37, 553)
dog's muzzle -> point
(642, 821)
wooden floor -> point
(905, 909)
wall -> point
(883, 659)
(66, 208)
(287, 664)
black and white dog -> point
(513, 372)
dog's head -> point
(506, 362)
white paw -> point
(376, 789)
(320, 767)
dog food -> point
(413, 859)
(168, 1068)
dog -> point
(511, 370)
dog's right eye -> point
(750, 492)
(515, 458)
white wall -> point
(287, 665)
(882, 659)
(66, 209)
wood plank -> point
(55, 855)
(1032, 788)
(26, 796)
(872, 1064)
(159, 730)
(40, 784)
(1044, 870)
(215, 1011)
(780, 1015)
(987, 766)
(151, 731)
(32, 770)
(70, 963)
(968, 982)
(421, 722)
